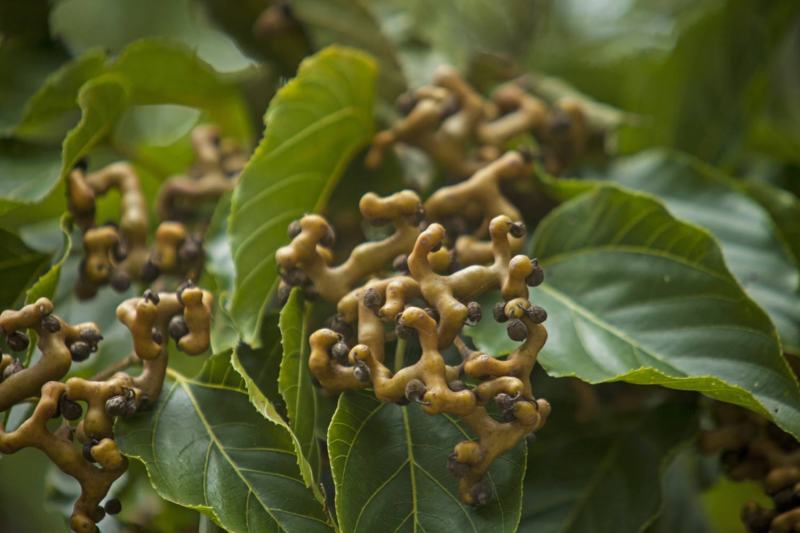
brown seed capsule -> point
(499, 311)
(536, 314)
(87, 450)
(69, 410)
(456, 468)
(294, 229)
(12, 369)
(504, 401)
(113, 506)
(536, 277)
(415, 390)
(119, 280)
(151, 296)
(433, 313)
(80, 351)
(294, 277)
(329, 238)
(457, 385)
(338, 324)
(517, 230)
(339, 352)
(474, 313)
(158, 337)
(90, 335)
(284, 290)
(516, 330)
(51, 323)
(120, 406)
(98, 514)
(190, 251)
(400, 264)
(481, 493)
(177, 327)
(404, 332)
(361, 372)
(17, 341)
(373, 299)
(149, 272)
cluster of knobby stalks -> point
(72, 421)
(462, 131)
(753, 448)
(119, 253)
(421, 282)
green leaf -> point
(751, 242)
(315, 124)
(784, 208)
(58, 95)
(390, 470)
(157, 71)
(294, 380)
(86, 24)
(19, 267)
(635, 295)
(206, 448)
(46, 285)
(682, 488)
(323, 20)
(29, 172)
(604, 475)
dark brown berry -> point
(474, 313)
(158, 337)
(69, 410)
(504, 401)
(404, 332)
(120, 406)
(87, 450)
(499, 311)
(339, 352)
(338, 324)
(329, 238)
(361, 372)
(90, 335)
(373, 299)
(80, 351)
(294, 229)
(481, 493)
(119, 280)
(415, 390)
(177, 327)
(51, 323)
(17, 341)
(14, 367)
(517, 230)
(536, 277)
(149, 272)
(400, 264)
(294, 277)
(517, 331)
(113, 506)
(456, 468)
(457, 385)
(536, 314)
(151, 296)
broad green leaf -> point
(206, 448)
(19, 268)
(46, 285)
(784, 208)
(635, 295)
(29, 173)
(294, 380)
(86, 24)
(604, 475)
(157, 71)
(390, 470)
(751, 242)
(22, 70)
(58, 95)
(681, 488)
(314, 126)
(323, 20)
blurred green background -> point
(719, 79)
